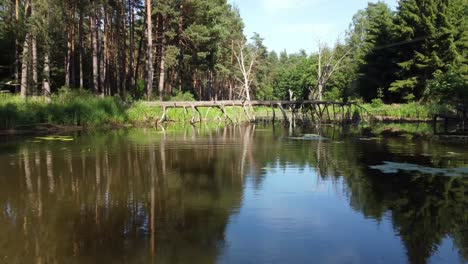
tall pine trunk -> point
(124, 68)
(149, 51)
(33, 57)
(72, 49)
(46, 77)
(81, 50)
(34, 64)
(131, 71)
(17, 56)
(104, 54)
(94, 46)
(24, 67)
(67, 60)
(180, 29)
(162, 64)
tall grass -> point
(69, 108)
(410, 111)
(81, 108)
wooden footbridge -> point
(292, 111)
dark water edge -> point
(235, 194)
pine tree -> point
(427, 39)
(372, 37)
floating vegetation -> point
(394, 167)
(56, 138)
(309, 137)
(369, 139)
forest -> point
(197, 50)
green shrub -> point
(182, 96)
(377, 102)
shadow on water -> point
(142, 196)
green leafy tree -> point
(450, 86)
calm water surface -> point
(248, 194)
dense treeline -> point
(156, 49)
(418, 52)
(126, 47)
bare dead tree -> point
(328, 64)
(246, 57)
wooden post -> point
(274, 114)
(226, 117)
(199, 114)
(163, 117)
(312, 111)
(194, 110)
(246, 113)
(334, 113)
(328, 113)
(283, 112)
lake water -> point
(240, 194)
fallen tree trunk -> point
(182, 104)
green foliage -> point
(295, 73)
(372, 30)
(266, 93)
(430, 44)
(70, 108)
(182, 96)
(450, 86)
(333, 94)
(376, 102)
(417, 52)
(413, 111)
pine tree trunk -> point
(17, 56)
(94, 38)
(180, 58)
(72, 50)
(162, 65)
(81, 51)
(139, 54)
(34, 65)
(124, 69)
(131, 71)
(46, 77)
(149, 52)
(67, 61)
(24, 67)
(104, 55)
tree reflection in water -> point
(141, 195)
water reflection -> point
(144, 196)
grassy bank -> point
(82, 109)
(65, 109)
(404, 112)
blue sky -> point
(292, 25)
